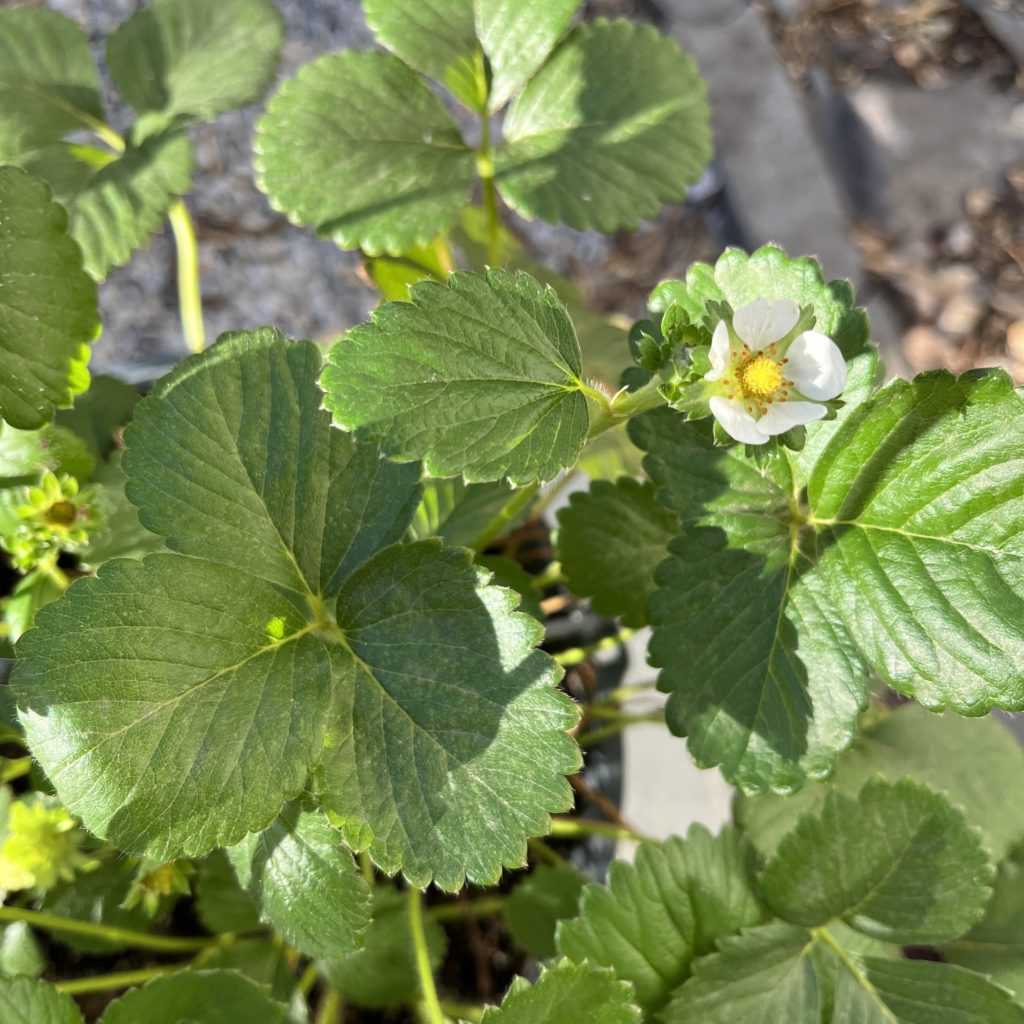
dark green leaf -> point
(99, 414)
(611, 128)
(197, 997)
(459, 512)
(192, 60)
(48, 312)
(264, 961)
(543, 898)
(566, 993)
(48, 81)
(305, 882)
(655, 916)
(448, 745)
(27, 1001)
(174, 703)
(232, 459)
(507, 573)
(221, 903)
(383, 972)
(359, 147)
(478, 378)
(610, 541)
(899, 863)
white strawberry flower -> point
(762, 382)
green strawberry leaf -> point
(221, 903)
(27, 1001)
(611, 128)
(898, 863)
(457, 512)
(358, 146)
(546, 896)
(190, 60)
(655, 916)
(478, 378)
(48, 312)
(305, 883)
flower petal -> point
(720, 353)
(783, 415)
(736, 421)
(761, 322)
(816, 366)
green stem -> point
(463, 1011)
(575, 828)
(55, 573)
(593, 736)
(190, 300)
(550, 577)
(308, 979)
(485, 168)
(366, 867)
(431, 1004)
(543, 852)
(14, 768)
(121, 979)
(624, 693)
(520, 499)
(486, 906)
(574, 655)
(330, 1008)
(624, 406)
(163, 943)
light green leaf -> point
(959, 757)
(612, 127)
(673, 904)
(395, 275)
(995, 945)
(221, 903)
(764, 975)
(30, 593)
(437, 38)
(566, 993)
(197, 997)
(48, 312)
(898, 863)
(193, 711)
(27, 1001)
(305, 882)
(191, 60)
(232, 459)
(761, 678)
(459, 512)
(383, 972)
(359, 147)
(447, 747)
(873, 991)
(478, 378)
(115, 204)
(48, 81)
(610, 541)
(20, 952)
(518, 36)
(24, 454)
(544, 897)
(919, 503)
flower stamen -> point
(759, 378)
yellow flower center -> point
(760, 378)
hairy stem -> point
(624, 406)
(330, 1008)
(574, 655)
(163, 943)
(121, 979)
(614, 727)
(492, 531)
(575, 828)
(486, 906)
(190, 301)
(431, 1006)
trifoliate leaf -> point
(478, 378)
(194, 710)
(567, 993)
(116, 201)
(442, 703)
(20, 952)
(958, 757)
(613, 126)
(48, 312)
(761, 678)
(899, 863)
(305, 882)
(518, 36)
(458, 512)
(198, 997)
(919, 504)
(191, 60)
(437, 38)
(232, 459)
(383, 971)
(221, 903)
(357, 146)
(48, 81)
(673, 904)
(27, 1001)
(611, 540)
(764, 975)
(544, 897)
(995, 945)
